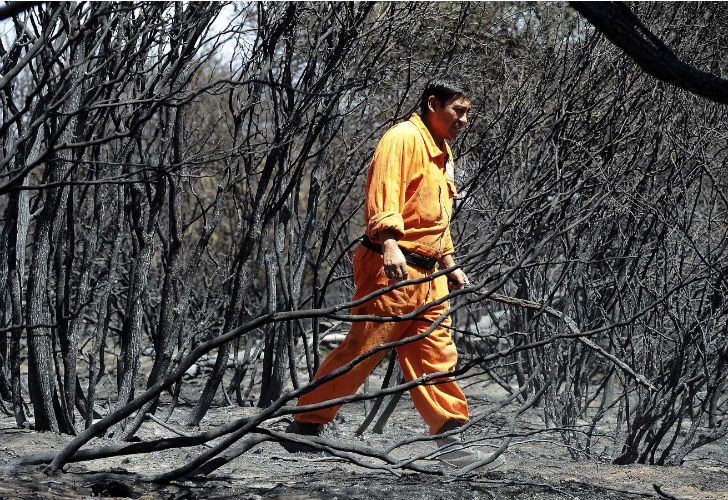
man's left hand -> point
(458, 280)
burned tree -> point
(186, 182)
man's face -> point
(447, 118)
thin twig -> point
(170, 428)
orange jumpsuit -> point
(409, 190)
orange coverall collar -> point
(432, 148)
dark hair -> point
(443, 90)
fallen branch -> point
(134, 448)
(162, 423)
(231, 455)
(664, 494)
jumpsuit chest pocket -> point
(432, 195)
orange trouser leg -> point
(442, 400)
(361, 338)
(438, 402)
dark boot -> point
(450, 425)
(302, 429)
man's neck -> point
(439, 141)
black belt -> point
(412, 258)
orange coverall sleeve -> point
(386, 187)
(447, 246)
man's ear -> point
(433, 103)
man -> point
(409, 200)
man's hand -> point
(456, 279)
(395, 267)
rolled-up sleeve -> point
(385, 185)
(447, 246)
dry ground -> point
(537, 467)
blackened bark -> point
(41, 366)
(15, 267)
(275, 342)
(144, 215)
(103, 307)
(619, 24)
(243, 279)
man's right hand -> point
(395, 266)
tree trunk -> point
(145, 217)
